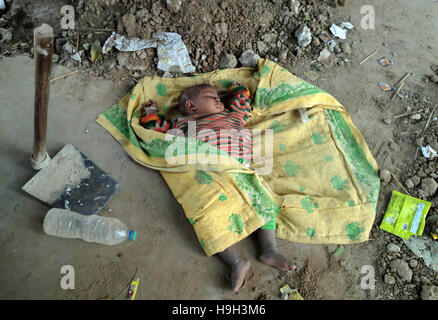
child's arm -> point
(155, 121)
(239, 101)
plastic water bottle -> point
(93, 228)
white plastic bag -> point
(172, 53)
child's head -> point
(200, 99)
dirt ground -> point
(166, 255)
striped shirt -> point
(225, 130)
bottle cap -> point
(132, 235)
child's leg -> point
(239, 266)
(269, 253)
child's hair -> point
(190, 93)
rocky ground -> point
(217, 34)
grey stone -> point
(283, 55)
(416, 180)
(413, 263)
(316, 42)
(304, 36)
(385, 175)
(409, 184)
(221, 28)
(269, 37)
(387, 121)
(324, 55)
(346, 48)
(429, 292)
(261, 46)
(434, 144)
(424, 280)
(173, 5)
(227, 61)
(402, 269)
(389, 279)
(249, 59)
(294, 6)
(392, 248)
(5, 35)
(429, 186)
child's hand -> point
(149, 107)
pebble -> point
(392, 248)
(424, 280)
(346, 48)
(269, 37)
(294, 6)
(385, 175)
(387, 121)
(249, 59)
(261, 46)
(389, 279)
(316, 42)
(283, 55)
(429, 186)
(409, 184)
(402, 269)
(173, 5)
(324, 55)
(413, 263)
(416, 116)
(227, 61)
(429, 292)
(416, 180)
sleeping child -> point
(202, 105)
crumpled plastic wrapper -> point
(172, 53)
(338, 32)
(429, 152)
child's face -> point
(207, 102)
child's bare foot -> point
(276, 260)
(269, 253)
(238, 272)
(239, 266)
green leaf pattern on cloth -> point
(261, 201)
(203, 177)
(268, 97)
(291, 168)
(308, 204)
(354, 155)
(161, 89)
(277, 126)
(237, 223)
(353, 231)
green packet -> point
(405, 215)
